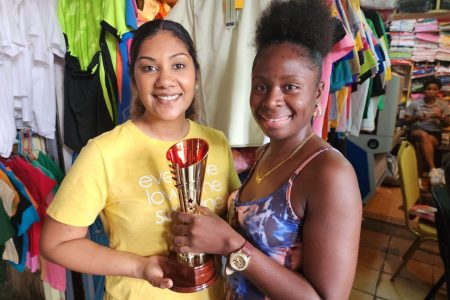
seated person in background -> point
(426, 117)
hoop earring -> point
(317, 111)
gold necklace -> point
(259, 178)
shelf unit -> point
(407, 68)
(441, 13)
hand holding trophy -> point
(190, 272)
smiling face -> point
(164, 76)
(285, 89)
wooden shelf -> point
(420, 15)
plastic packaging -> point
(411, 6)
(379, 4)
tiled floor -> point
(384, 240)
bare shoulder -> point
(332, 164)
(330, 178)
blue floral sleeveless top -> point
(270, 225)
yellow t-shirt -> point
(124, 175)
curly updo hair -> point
(306, 23)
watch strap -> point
(247, 248)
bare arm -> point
(330, 237)
(68, 246)
(332, 229)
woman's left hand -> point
(153, 272)
(204, 232)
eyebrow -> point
(286, 77)
(172, 56)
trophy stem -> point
(191, 259)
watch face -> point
(238, 261)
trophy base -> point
(187, 279)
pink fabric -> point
(53, 274)
(429, 37)
(416, 96)
(430, 27)
(339, 50)
(32, 263)
(244, 158)
(129, 46)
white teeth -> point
(168, 98)
(278, 120)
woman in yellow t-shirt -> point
(123, 176)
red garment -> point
(40, 187)
(20, 174)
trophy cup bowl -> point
(190, 272)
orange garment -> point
(16, 200)
(152, 9)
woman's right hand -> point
(204, 232)
(153, 272)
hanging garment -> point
(225, 55)
(44, 84)
(85, 113)
(22, 221)
(341, 48)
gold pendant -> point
(258, 179)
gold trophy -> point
(190, 272)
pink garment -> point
(401, 34)
(129, 46)
(429, 37)
(416, 96)
(339, 50)
(53, 274)
(244, 158)
(431, 27)
(32, 263)
(443, 51)
(419, 58)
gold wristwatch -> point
(240, 259)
